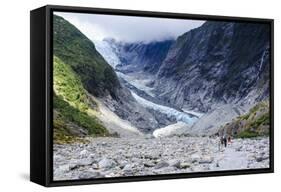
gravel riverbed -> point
(117, 157)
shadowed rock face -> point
(140, 56)
(219, 62)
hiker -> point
(224, 141)
(229, 139)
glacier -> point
(182, 117)
(138, 83)
(170, 112)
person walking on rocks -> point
(224, 140)
(229, 140)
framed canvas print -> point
(121, 95)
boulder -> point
(106, 163)
(195, 158)
(182, 165)
(88, 174)
(161, 164)
(206, 160)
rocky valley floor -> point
(117, 157)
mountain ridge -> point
(219, 62)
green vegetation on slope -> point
(252, 124)
(62, 132)
(72, 107)
(68, 115)
(77, 51)
(68, 85)
(78, 70)
(247, 134)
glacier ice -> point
(170, 112)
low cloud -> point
(129, 28)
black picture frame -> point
(41, 57)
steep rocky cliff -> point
(217, 63)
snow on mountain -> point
(107, 52)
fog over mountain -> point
(129, 28)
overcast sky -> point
(129, 28)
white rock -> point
(184, 165)
(206, 160)
(64, 168)
(84, 153)
(174, 163)
(195, 157)
(129, 169)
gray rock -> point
(161, 164)
(93, 156)
(122, 163)
(88, 174)
(111, 161)
(151, 156)
(128, 167)
(73, 166)
(148, 164)
(206, 160)
(261, 158)
(239, 148)
(217, 164)
(106, 163)
(84, 162)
